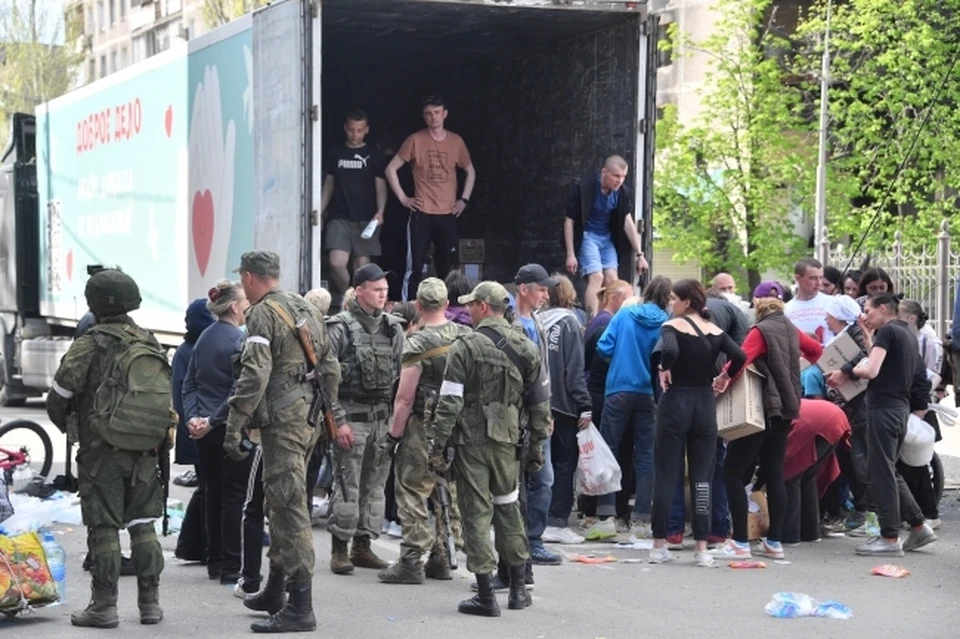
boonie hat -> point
(432, 292)
(259, 262)
(768, 289)
(369, 273)
(534, 274)
(492, 293)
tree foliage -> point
(895, 84)
(219, 12)
(730, 185)
(38, 56)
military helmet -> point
(112, 292)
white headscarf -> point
(843, 308)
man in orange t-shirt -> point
(434, 155)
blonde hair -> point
(614, 287)
(349, 295)
(221, 296)
(763, 306)
(563, 295)
(320, 299)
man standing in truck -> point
(354, 194)
(598, 216)
(434, 154)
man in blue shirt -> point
(598, 221)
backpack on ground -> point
(132, 405)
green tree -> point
(730, 185)
(219, 12)
(894, 80)
(38, 57)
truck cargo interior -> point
(540, 96)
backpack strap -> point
(504, 346)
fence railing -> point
(928, 275)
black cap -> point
(369, 273)
(534, 274)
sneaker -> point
(920, 537)
(622, 526)
(880, 546)
(393, 530)
(600, 530)
(771, 549)
(385, 528)
(715, 540)
(557, 535)
(675, 541)
(242, 589)
(660, 555)
(187, 479)
(870, 527)
(640, 530)
(934, 523)
(703, 559)
(540, 556)
(854, 521)
(587, 522)
(732, 550)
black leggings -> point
(769, 447)
(685, 417)
(423, 228)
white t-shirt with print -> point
(810, 315)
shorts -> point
(597, 253)
(344, 235)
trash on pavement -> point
(747, 565)
(593, 559)
(32, 513)
(637, 544)
(789, 605)
(889, 570)
(321, 506)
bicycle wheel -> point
(31, 445)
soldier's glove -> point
(233, 445)
(437, 462)
(534, 460)
(386, 449)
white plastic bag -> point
(917, 449)
(598, 472)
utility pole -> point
(820, 222)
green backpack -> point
(132, 405)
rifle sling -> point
(433, 352)
(504, 346)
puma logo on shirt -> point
(358, 162)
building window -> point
(90, 27)
(113, 11)
(91, 70)
(101, 17)
(124, 60)
(103, 66)
(664, 45)
(113, 62)
(123, 9)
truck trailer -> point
(172, 168)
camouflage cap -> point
(492, 293)
(266, 263)
(432, 293)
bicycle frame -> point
(10, 459)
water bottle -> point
(370, 229)
(57, 562)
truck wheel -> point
(5, 401)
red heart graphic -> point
(202, 223)
(168, 120)
(70, 264)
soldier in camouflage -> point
(423, 362)
(117, 488)
(491, 378)
(273, 394)
(368, 343)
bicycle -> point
(20, 442)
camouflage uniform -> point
(481, 400)
(369, 348)
(414, 481)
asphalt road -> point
(572, 600)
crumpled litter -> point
(593, 559)
(889, 570)
(747, 565)
(636, 544)
(789, 605)
(32, 514)
(321, 506)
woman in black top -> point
(687, 413)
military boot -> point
(148, 600)
(407, 570)
(295, 616)
(519, 595)
(101, 612)
(437, 565)
(340, 563)
(273, 596)
(484, 603)
(361, 555)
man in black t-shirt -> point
(891, 365)
(354, 193)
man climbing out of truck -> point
(434, 155)
(354, 194)
(598, 216)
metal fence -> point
(928, 276)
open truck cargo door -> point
(283, 124)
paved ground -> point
(572, 600)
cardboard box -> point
(740, 409)
(839, 351)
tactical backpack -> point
(132, 404)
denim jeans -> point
(638, 413)
(539, 494)
(720, 518)
(565, 453)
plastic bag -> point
(917, 449)
(789, 605)
(25, 577)
(598, 472)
